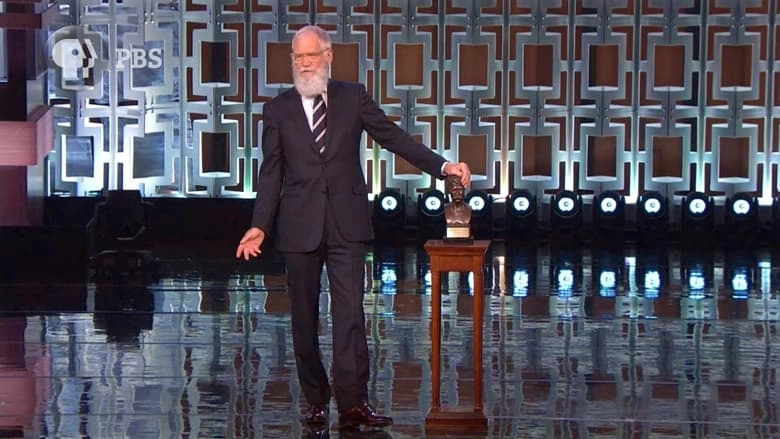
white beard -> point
(317, 84)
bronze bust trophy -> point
(457, 213)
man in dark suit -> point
(312, 188)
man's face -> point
(310, 63)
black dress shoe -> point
(317, 415)
(363, 414)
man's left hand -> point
(460, 169)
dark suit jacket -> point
(297, 183)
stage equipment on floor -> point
(609, 212)
(741, 218)
(652, 213)
(389, 216)
(430, 215)
(118, 234)
(698, 217)
(520, 215)
(481, 204)
(566, 211)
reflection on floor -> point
(579, 342)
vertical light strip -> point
(3, 53)
(767, 191)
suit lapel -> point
(331, 128)
(300, 123)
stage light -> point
(481, 204)
(567, 211)
(652, 213)
(389, 203)
(742, 218)
(431, 203)
(479, 201)
(430, 214)
(389, 215)
(742, 206)
(520, 215)
(697, 215)
(697, 206)
(610, 211)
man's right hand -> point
(250, 243)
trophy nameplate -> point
(458, 235)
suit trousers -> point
(345, 265)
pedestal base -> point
(454, 421)
(457, 241)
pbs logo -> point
(75, 53)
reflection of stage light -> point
(652, 284)
(388, 279)
(607, 283)
(741, 273)
(697, 283)
(740, 283)
(565, 281)
(520, 283)
(566, 271)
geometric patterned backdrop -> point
(584, 95)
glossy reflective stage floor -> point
(579, 342)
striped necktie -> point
(318, 123)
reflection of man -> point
(458, 212)
(311, 185)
